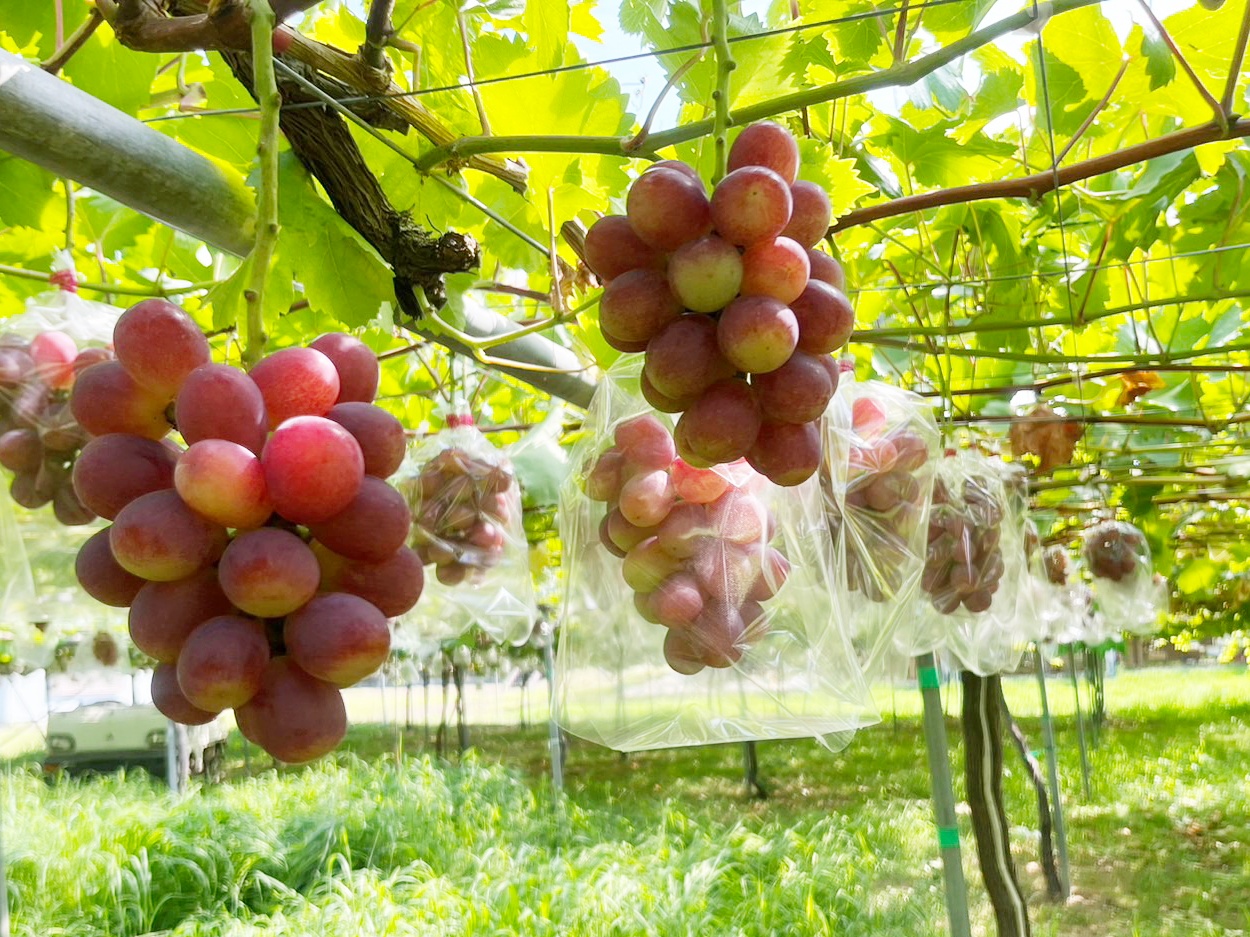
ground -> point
(662, 843)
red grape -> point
(355, 363)
(101, 576)
(314, 467)
(372, 527)
(296, 382)
(685, 359)
(809, 220)
(156, 536)
(394, 585)
(380, 435)
(825, 318)
(776, 267)
(106, 399)
(636, 305)
(269, 572)
(221, 402)
(224, 482)
(113, 470)
(766, 144)
(751, 204)
(159, 345)
(827, 269)
(706, 274)
(168, 697)
(722, 424)
(294, 716)
(222, 662)
(797, 392)
(757, 333)
(163, 614)
(787, 453)
(666, 208)
(612, 248)
(338, 637)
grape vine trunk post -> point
(1045, 816)
(555, 739)
(1052, 770)
(1080, 721)
(751, 772)
(943, 797)
(983, 770)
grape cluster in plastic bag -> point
(1118, 558)
(974, 583)
(881, 446)
(466, 508)
(702, 562)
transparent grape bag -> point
(1125, 589)
(974, 593)
(41, 352)
(1054, 599)
(467, 529)
(736, 569)
(881, 446)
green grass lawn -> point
(662, 843)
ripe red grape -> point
(222, 662)
(106, 399)
(159, 345)
(612, 248)
(645, 443)
(787, 453)
(101, 576)
(797, 392)
(825, 318)
(722, 424)
(776, 267)
(355, 363)
(766, 144)
(685, 359)
(394, 585)
(220, 402)
(225, 483)
(751, 204)
(296, 382)
(637, 305)
(313, 467)
(371, 528)
(827, 269)
(269, 572)
(113, 470)
(706, 274)
(380, 435)
(293, 716)
(757, 333)
(163, 614)
(168, 697)
(54, 354)
(812, 212)
(666, 208)
(338, 637)
(156, 536)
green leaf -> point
(1199, 575)
(106, 69)
(25, 190)
(1160, 64)
(547, 22)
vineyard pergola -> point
(1041, 209)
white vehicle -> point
(105, 735)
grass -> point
(662, 843)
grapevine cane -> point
(720, 97)
(943, 798)
(263, 22)
(1080, 722)
(1052, 769)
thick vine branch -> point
(720, 97)
(1234, 65)
(1039, 183)
(142, 25)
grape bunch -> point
(39, 436)
(1058, 566)
(736, 312)
(884, 500)
(462, 505)
(964, 562)
(1113, 550)
(261, 563)
(694, 544)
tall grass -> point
(656, 844)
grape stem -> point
(725, 65)
(263, 22)
(163, 291)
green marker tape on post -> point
(948, 837)
(929, 678)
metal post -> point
(554, 741)
(171, 755)
(943, 798)
(1052, 769)
(1080, 723)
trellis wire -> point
(575, 66)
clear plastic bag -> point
(1054, 598)
(881, 446)
(1118, 558)
(41, 352)
(736, 566)
(466, 522)
(974, 594)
